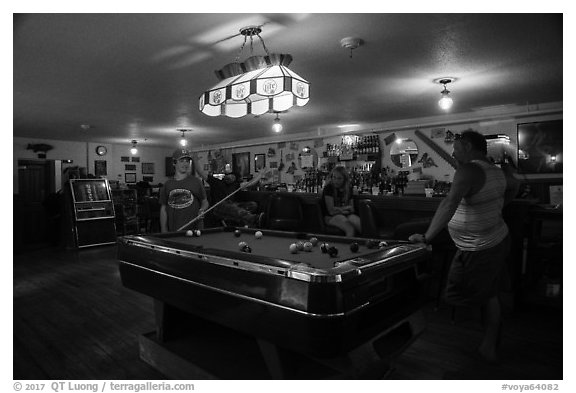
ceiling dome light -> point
(446, 101)
(277, 126)
(134, 150)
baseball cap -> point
(181, 153)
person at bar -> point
(182, 198)
(473, 212)
(237, 212)
(337, 203)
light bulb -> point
(133, 150)
(445, 102)
(277, 126)
(183, 142)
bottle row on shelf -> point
(351, 146)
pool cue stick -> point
(249, 184)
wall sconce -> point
(134, 150)
(445, 101)
(277, 126)
(553, 158)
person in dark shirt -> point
(240, 213)
(338, 204)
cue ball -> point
(354, 247)
(241, 245)
(189, 233)
(324, 247)
(293, 248)
(308, 246)
(300, 246)
(197, 233)
(314, 241)
(258, 235)
(237, 233)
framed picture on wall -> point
(100, 168)
(259, 162)
(129, 167)
(149, 179)
(147, 168)
(241, 163)
(130, 177)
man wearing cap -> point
(182, 198)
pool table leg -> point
(273, 359)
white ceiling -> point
(139, 76)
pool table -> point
(309, 301)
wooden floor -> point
(74, 320)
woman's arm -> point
(332, 210)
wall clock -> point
(101, 150)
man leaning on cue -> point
(473, 212)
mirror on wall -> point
(404, 153)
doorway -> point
(34, 225)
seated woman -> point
(338, 204)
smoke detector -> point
(351, 43)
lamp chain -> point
(263, 45)
(237, 60)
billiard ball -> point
(241, 245)
(237, 233)
(371, 244)
(246, 248)
(258, 235)
(300, 246)
(189, 233)
(332, 251)
(382, 244)
(354, 247)
(197, 233)
(324, 247)
(293, 248)
(308, 246)
(314, 241)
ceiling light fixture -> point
(446, 101)
(258, 85)
(277, 126)
(351, 43)
(133, 149)
(183, 141)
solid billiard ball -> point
(332, 251)
(382, 244)
(354, 247)
(371, 244)
(246, 248)
(314, 241)
(324, 247)
(189, 233)
(241, 245)
(237, 233)
(300, 246)
(258, 235)
(293, 248)
(197, 233)
(308, 246)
